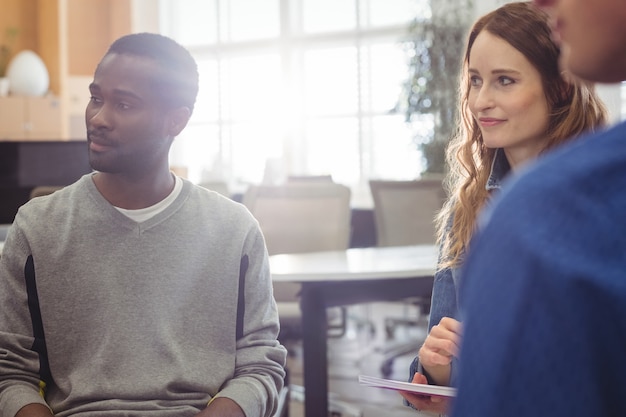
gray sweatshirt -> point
(103, 316)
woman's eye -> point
(475, 81)
(505, 81)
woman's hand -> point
(440, 346)
(425, 402)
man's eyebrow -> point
(117, 92)
(127, 94)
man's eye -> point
(95, 100)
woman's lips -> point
(489, 121)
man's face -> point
(127, 126)
(592, 34)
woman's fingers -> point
(445, 337)
(425, 402)
(451, 325)
(429, 358)
(419, 378)
(441, 344)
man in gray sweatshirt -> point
(133, 292)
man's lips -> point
(98, 144)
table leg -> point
(314, 345)
(315, 297)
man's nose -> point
(98, 117)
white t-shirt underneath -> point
(141, 215)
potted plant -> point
(435, 48)
(5, 57)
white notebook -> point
(425, 389)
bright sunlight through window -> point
(288, 87)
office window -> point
(296, 87)
(317, 18)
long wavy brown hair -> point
(574, 109)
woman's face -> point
(507, 99)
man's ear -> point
(177, 120)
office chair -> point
(4, 230)
(404, 214)
(218, 186)
(404, 211)
(301, 216)
(310, 178)
(42, 190)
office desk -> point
(347, 277)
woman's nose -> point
(483, 99)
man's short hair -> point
(178, 82)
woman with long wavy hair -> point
(515, 104)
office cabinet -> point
(70, 36)
(30, 118)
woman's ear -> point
(177, 120)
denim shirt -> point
(444, 299)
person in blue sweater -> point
(515, 106)
(544, 284)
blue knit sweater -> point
(543, 294)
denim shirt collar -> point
(499, 169)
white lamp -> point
(28, 75)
